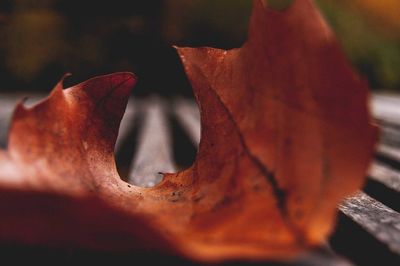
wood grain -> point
(380, 221)
(153, 155)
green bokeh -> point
(38, 36)
(374, 51)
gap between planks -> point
(153, 155)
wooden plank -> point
(392, 153)
(386, 107)
(386, 110)
(377, 219)
(385, 175)
(187, 113)
(389, 133)
(153, 154)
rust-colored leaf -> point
(286, 135)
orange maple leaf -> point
(286, 134)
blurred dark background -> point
(43, 39)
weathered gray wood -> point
(386, 107)
(126, 124)
(389, 133)
(386, 110)
(377, 219)
(153, 154)
(188, 115)
(390, 152)
(386, 175)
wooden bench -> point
(159, 135)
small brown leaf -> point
(286, 134)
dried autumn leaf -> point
(285, 136)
